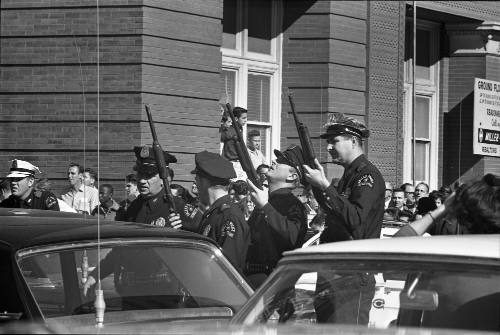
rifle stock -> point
(241, 150)
(160, 161)
(305, 139)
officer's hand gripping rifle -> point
(305, 139)
(241, 150)
(160, 162)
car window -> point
(380, 296)
(10, 303)
(144, 276)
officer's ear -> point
(293, 176)
(31, 181)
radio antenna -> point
(99, 303)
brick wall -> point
(157, 52)
(324, 65)
(385, 82)
(48, 100)
(180, 77)
(458, 159)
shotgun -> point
(305, 139)
(241, 150)
(160, 161)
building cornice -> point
(474, 39)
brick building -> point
(185, 57)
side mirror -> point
(425, 300)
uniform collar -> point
(155, 199)
(358, 164)
(220, 203)
(28, 201)
(280, 191)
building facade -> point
(184, 58)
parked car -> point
(161, 274)
(437, 283)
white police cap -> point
(22, 169)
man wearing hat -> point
(23, 194)
(355, 207)
(279, 221)
(223, 221)
(152, 206)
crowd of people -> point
(255, 224)
(410, 202)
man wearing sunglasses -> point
(22, 186)
(151, 206)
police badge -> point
(144, 152)
(160, 222)
(229, 229)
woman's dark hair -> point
(434, 195)
(425, 205)
(240, 187)
(445, 191)
(181, 191)
(477, 205)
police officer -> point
(355, 207)
(22, 185)
(279, 222)
(152, 206)
(223, 221)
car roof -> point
(483, 246)
(24, 229)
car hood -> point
(222, 327)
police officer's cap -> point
(146, 161)
(22, 169)
(213, 167)
(339, 124)
(293, 157)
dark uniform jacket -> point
(228, 137)
(156, 210)
(36, 200)
(275, 228)
(355, 208)
(224, 223)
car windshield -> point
(380, 294)
(135, 276)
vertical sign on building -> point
(486, 117)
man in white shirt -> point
(78, 196)
(388, 194)
(253, 146)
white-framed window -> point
(251, 65)
(426, 113)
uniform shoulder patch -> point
(366, 180)
(190, 211)
(50, 201)
(229, 229)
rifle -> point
(241, 150)
(160, 161)
(305, 139)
